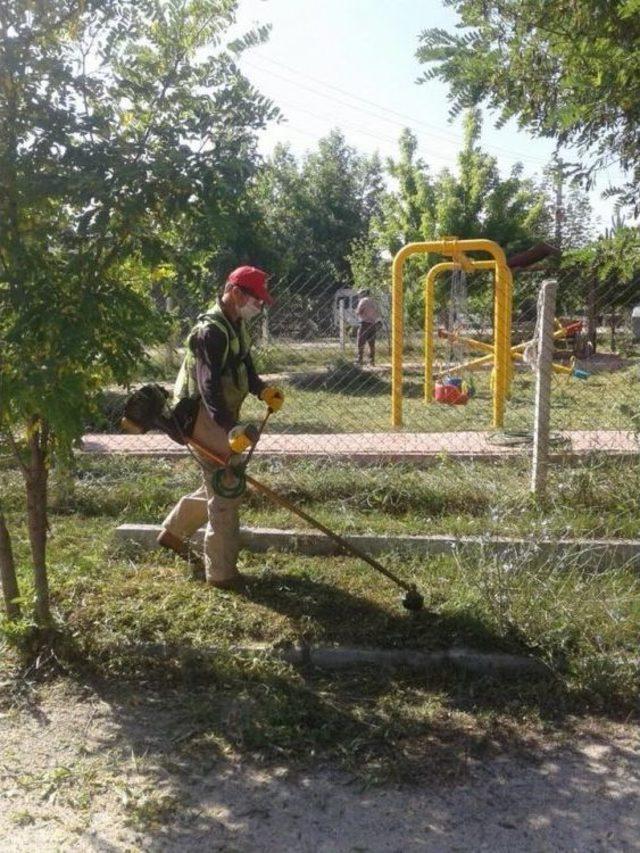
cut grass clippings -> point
(580, 623)
(111, 602)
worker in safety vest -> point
(215, 377)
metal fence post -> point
(342, 327)
(544, 359)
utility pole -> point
(558, 172)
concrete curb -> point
(347, 657)
(363, 459)
(259, 539)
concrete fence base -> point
(347, 657)
(590, 552)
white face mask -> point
(250, 309)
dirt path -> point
(76, 775)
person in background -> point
(368, 321)
(215, 377)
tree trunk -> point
(10, 589)
(613, 320)
(36, 485)
(592, 320)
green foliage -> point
(367, 268)
(102, 166)
(314, 210)
(565, 70)
(190, 106)
(121, 125)
(577, 229)
(480, 203)
(477, 202)
(402, 216)
(613, 262)
(568, 207)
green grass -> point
(379, 724)
(597, 498)
(323, 395)
(163, 362)
(327, 394)
(363, 403)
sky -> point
(351, 64)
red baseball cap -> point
(253, 281)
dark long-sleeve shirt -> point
(209, 348)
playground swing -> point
(455, 390)
(524, 352)
(457, 252)
(451, 385)
(528, 352)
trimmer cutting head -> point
(413, 600)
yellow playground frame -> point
(501, 356)
(429, 301)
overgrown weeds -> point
(598, 498)
(114, 606)
(583, 624)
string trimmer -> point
(148, 408)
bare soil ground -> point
(86, 769)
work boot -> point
(167, 539)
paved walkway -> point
(389, 446)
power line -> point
(333, 99)
(439, 131)
(359, 130)
(434, 129)
(367, 112)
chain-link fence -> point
(336, 372)
(446, 469)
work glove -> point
(273, 397)
(241, 437)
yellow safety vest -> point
(235, 379)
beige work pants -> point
(222, 535)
